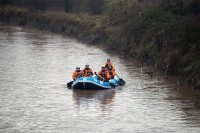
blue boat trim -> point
(93, 83)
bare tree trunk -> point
(68, 5)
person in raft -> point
(77, 74)
(103, 74)
(111, 72)
(109, 63)
(87, 72)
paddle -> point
(70, 84)
(98, 76)
(121, 81)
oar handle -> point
(98, 75)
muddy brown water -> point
(35, 67)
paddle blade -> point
(120, 83)
(70, 84)
(123, 82)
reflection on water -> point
(97, 96)
(35, 67)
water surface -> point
(35, 67)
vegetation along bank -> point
(164, 33)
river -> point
(35, 67)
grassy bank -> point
(80, 26)
(164, 36)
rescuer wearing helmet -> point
(111, 72)
(87, 72)
(103, 74)
(77, 74)
(109, 63)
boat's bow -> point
(93, 83)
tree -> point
(96, 6)
(5, 2)
(194, 7)
(40, 5)
(68, 5)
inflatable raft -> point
(92, 83)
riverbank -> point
(167, 40)
(82, 27)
